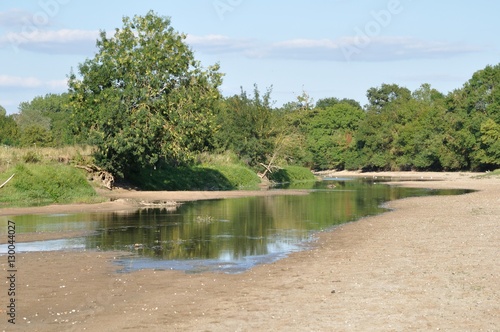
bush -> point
(31, 157)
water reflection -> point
(227, 235)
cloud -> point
(375, 49)
(350, 48)
(63, 41)
(357, 48)
(8, 81)
(19, 82)
(217, 44)
(404, 48)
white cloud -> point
(19, 82)
(220, 44)
(64, 41)
(369, 49)
(307, 43)
(57, 84)
(374, 49)
(404, 48)
(351, 48)
(8, 81)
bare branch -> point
(3, 184)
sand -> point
(430, 264)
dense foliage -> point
(247, 126)
(143, 99)
(330, 134)
(8, 128)
(148, 106)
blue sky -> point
(335, 48)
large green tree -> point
(379, 97)
(248, 126)
(330, 134)
(144, 99)
(261, 136)
(419, 143)
(46, 121)
(473, 117)
(385, 119)
(332, 101)
(8, 128)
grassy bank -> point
(495, 173)
(45, 183)
(292, 174)
(198, 177)
(216, 176)
(48, 176)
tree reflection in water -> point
(226, 234)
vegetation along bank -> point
(145, 111)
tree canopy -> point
(144, 99)
(8, 128)
(474, 117)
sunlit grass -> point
(495, 173)
(11, 156)
(45, 183)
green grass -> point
(199, 177)
(45, 183)
(45, 176)
(212, 172)
(292, 174)
(495, 173)
(238, 176)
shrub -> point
(31, 157)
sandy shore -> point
(430, 264)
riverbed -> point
(430, 263)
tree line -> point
(144, 101)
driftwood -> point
(268, 169)
(3, 184)
(99, 175)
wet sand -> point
(430, 264)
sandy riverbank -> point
(430, 264)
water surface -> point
(229, 235)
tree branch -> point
(3, 184)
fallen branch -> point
(3, 184)
(269, 168)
